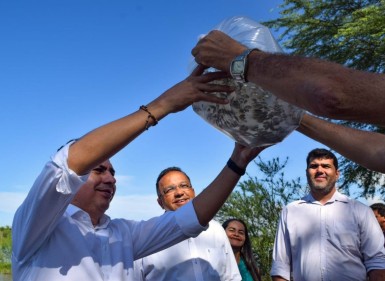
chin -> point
(177, 206)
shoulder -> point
(359, 208)
(352, 203)
(125, 227)
(214, 228)
(214, 232)
(293, 205)
(215, 224)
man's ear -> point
(338, 174)
(160, 202)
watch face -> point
(238, 66)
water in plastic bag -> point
(253, 117)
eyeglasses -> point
(172, 188)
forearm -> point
(210, 200)
(377, 275)
(362, 147)
(321, 87)
(103, 142)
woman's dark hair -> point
(246, 251)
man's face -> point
(96, 194)
(380, 219)
(322, 175)
(175, 190)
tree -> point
(349, 32)
(5, 249)
(258, 202)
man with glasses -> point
(205, 257)
(61, 231)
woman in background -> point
(236, 231)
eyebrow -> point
(104, 168)
(314, 165)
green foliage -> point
(349, 32)
(5, 249)
(259, 202)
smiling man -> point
(326, 235)
(208, 256)
(61, 231)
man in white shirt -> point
(61, 232)
(208, 256)
(326, 235)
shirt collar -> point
(337, 197)
(77, 213)
(72, 210)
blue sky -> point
(67, 67)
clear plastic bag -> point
(254, 117)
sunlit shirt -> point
(206, 257)
(53, 240)
(340, 240)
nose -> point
(319, 169)
(178, 191)
(109, 178)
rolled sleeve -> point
(69, 182)
(187, 219)
(280, 269)
(44, 205)
(372, 238)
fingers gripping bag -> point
(253, 117)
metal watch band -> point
(242, 58)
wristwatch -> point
(238, 67)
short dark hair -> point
(166, 171)
(321, 153)
(379, 207)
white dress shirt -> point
(53, 240)
(338, 241)
(206, 257)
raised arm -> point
(321, 87)
(103, 142)
(209, 201)
(362, 147)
